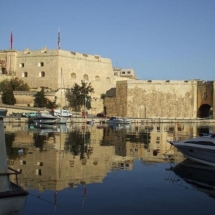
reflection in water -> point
(12, 196)
(200, 176)
(70, 157)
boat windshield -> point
(205, 143)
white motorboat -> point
(200, 149)
(46, 118)
(118, 120)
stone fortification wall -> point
(25, 98)
(156, 98)
(34, 63)
(90, 68)
(56, 69)
(110, 106)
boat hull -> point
(45, 125)
(45, 121)
(194, 152)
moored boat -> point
(118, 120)
(200, 149)
(3, 112)
(47, 118)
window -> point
(73, 76)
(25, 74)
(38, 172)
(21, 65)
(123, 72)
(86, 77)
(22, 162)
(205, 95)
(128, 72)
(42, 74)
(97, 78)
(39, 163)
(108, 79)
(41, 64)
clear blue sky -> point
(160, 39)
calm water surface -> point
(94, 170)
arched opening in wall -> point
(108, 80)
(205, 111)
(73, 76)
(97, 78)
(86, 77)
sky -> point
(159, 39)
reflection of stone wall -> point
(55, 169)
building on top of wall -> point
(124, 73)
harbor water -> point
(97, 169)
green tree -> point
(19, 85)
(8, 86)
(78, 95)
(14, 84)
(8, 97)
(40, 99)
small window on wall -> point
(86, 77)
(42, 74)
(108, 79)
(123, 72)
(41, 64)
(73, 76)
(97, 78)
(21, 65)
(25, 74)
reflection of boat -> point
(118, 120)
(54, 129)
(201, 149)
(119, 126)
(45, 125)
(200, 176)
(12, 196)
(47, 118)
(3, 112)
(91, 122)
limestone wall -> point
(156, 98)
(61, 69)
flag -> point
(11, 40)
(58, 41)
